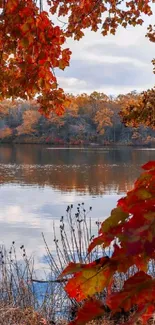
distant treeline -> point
(88, 119)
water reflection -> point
(38, 182)
(83, 170)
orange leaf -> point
(91, 309)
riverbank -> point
(82, 143)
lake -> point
(38, 182)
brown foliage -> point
(139, 109)
(30, 119)
(5, 133)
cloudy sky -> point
(112, 64)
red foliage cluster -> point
(89, 13)
(30, 48)
(130, 229)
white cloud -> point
(82, 87)
(112, 59)
(72, 83)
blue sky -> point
(112, 64)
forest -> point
(93, 119)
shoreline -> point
(79, 145)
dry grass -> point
(19, 304)
(17, 316)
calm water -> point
(38, 182)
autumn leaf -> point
(117, 216)
(72, 268)
(76, 267)
(90, 310)
(91, 278)
(137, 289)
(149, 165)
(109, 228)
(86, 283)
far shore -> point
(81, 144)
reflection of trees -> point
(92, 171)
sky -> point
(112, 64)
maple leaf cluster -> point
(131, 230)
(30, 49)
(95, 14)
